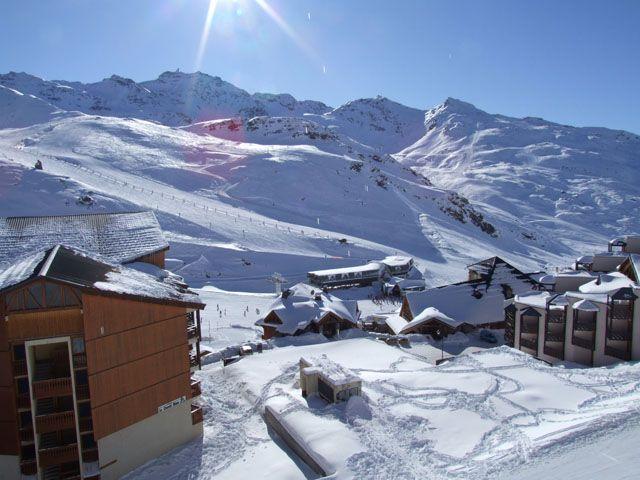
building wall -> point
(126, 449)
(9, 467)
(9, 444)
(606, 263)
(156, 258)
(137, 359)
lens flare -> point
(290, 32)
(205, 32)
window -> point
(77, 345)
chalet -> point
(331, 381)
(303, 308)
(432, 321)
(119, 237)
(478, 301)
(95, 364)
(389, 323)
(598, 324)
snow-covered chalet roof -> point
(607, 283)
(396, 261)
(368, 267)
(302, 304)
(91, 272)
(474, 302)
(120, 237)
(541, 300)
(429, 314)
(585, 306)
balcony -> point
(28, 467)
(196, 414)
(23, 400)
(82, 392)
(20, 368)
(58, 455)
(553, 337)
(26, 434)
(192, 332)
(56, 387)
(584, 326)
(529, 327)
(55, 421)
(589, 344)
(619, 335)
(531, 344)
(90, 454)
(80, 360)
(554, 352)
(193, 361)
(621, 353)
(86, 424)
(555, 316)
(196, 391)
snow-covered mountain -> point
(249, 184)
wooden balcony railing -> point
(526, 327)
(58, 455)
(584, 342)
(553, 337)
(19, 368)
(584, 326)
(80, 360)
(196, 414)
(529, 343)
(193, 361)
(621, 353)
(56, 387)
(55, 421)
(26, 434)
(192, 332)
(82, 392)
(29, 467)
(196, 390)
(554, 352)
(90, 454)
(86, 424)
(621, 335)
(555, 316)
(23, 400)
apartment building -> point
(96, 361)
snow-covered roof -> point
(585, 306)
(541, 300)
(475, 302)
(368, 267)
(634, 263)
(303, 304)
(120, 237)
(607, 283)
(405, 282)
(592, 297)
(585, 259)
(332, 372)
(428, 315)
(396, 261)
(90, 271)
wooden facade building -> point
(95, 367)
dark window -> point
(19, 352)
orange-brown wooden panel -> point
(126, 379)
(126, 411)
(156, 259)
(7, 405)
(43, 324)
(104, 315)
(113, 350)
(6, 369)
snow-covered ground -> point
(482, 414)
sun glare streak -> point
(205, 32)
(290, 32)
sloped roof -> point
(475, 302)
(120, 237)
(428, 315)
(94, 273)
(303, 304)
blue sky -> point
(575, 62)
